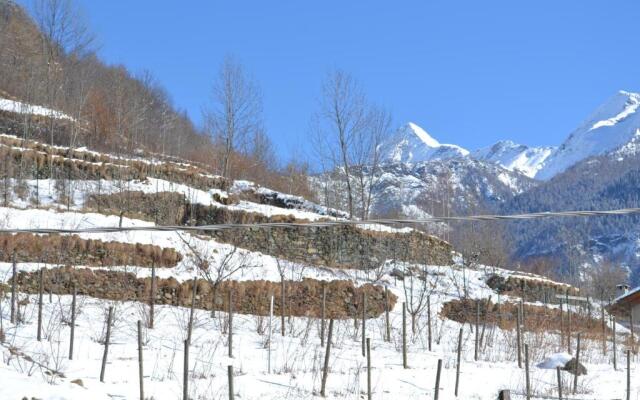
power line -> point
(327, 223)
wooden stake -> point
(477, 332)
(282, 304)
(404, 336)
(230, 377)
(325, 369)
(436, 393)
(230, 323)
(429, 321)
(526, 366)
(458, 362)
(185, 372)
(559, 375)
(604, 332)
(73, 322)
(193, 305)
(628, 375)
(270, 331)
(568, 329)
(364, 323)
(140, 363)
(13, 289)
(152, 297)
(40, 290)
(561, 326)
(615, 349)
(106, 344)
(575, 369)
(519, 339)
(368, 369)
(386, 314)
(324, 313)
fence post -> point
(40, 291)
(568, 329)
(386, 314)
(628, 375)
(282, 304)
(230, 377)
(404, 336)
(633, 340)
(13, 289)
(458, 362)
(324, 313)
(73, 322)
(519, 339)
(477, 332)
(230, 323)
(526, 366)
(368, 369)
(559, 376)
(140, 362)
(429, 321)
(270, 330)
(106, 344)
(185, 372)
(604, 332)
(436, 393)
(364, 323)
(193, 304)
(615, 349)
(561, 326)
(152, 296)
(575, 369)
(325, 369)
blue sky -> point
(469, 72)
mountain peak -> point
(412, 144)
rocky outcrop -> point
(302, 298)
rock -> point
(571, 367)
(78, 382)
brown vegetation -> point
(63, 249)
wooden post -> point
(526, 369)
(140, 363)
(615, 349)
(193, 304)
(40, 289)
(477, 332)
(324, 313)
(559, 375)
(368, 369)
(575, 369)
(386, 314)
(561, 326)
(628, 375)
(519, 339)
(230, 323)
(270, 330)
(325, 369)
(436, 393)
(73, 322)
(13, 289)
(152, 297)
(106, 344)
(404, 336)
(633, 340)
(458, 362)
(282, 304)
(604, 332)
(504, 395)
(230, 377)
(568, 329)
(364, 323)
(523, 316)
(429, 321)
(185, 372)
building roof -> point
(621, 304)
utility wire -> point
(327, 223)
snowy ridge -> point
(613, 125)
(515, 157)
(412, 144)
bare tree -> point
(417, 285)
(236, 112)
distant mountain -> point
(515, 157)
(412, 144)
(613, 125)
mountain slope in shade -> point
(515, 157)
(611, 126)
(412, 144)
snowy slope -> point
(25, 108)
(611, 126)
(515, 157)
(413, 144)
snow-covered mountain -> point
(613, 125)
(515, 157)
(412, 144)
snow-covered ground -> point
(25, 108)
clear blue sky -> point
(469, 72)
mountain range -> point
(595, 167)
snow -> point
(25, 108)
(515, 157)
(614, 124)
(412, 144)
(555, 360)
